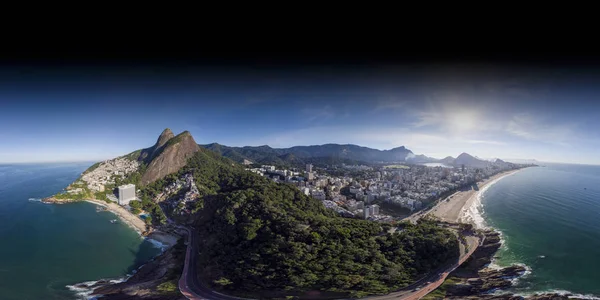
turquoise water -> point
(46, 247)
(550, 221)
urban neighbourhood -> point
(409, 187)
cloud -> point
(319, 113)
(536, 128)
(486, 142)
(390, 103)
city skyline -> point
(438, 111)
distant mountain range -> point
(336, 153)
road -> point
(432, 282)
(192, 289)
(189, 285)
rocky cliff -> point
(170, 156)
(149, 153)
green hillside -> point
(262, 236)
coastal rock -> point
(144, 283)
(171, 157)
(57, 201)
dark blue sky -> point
(488, 111)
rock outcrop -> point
(170, 156)
(477, 280)
(149, 153)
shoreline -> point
(127, 217)
(471, 212)
(461, 208)
(159, 239)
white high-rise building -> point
(126, 194)
(309, 168)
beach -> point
(461, 205)
(127, 217)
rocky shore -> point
(475, 280)
(157, 279)
(52, 200)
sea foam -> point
(84, 290)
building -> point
(126, 194)
(366, 213)
(374, 209)
(309, 168)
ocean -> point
(47, 247)
(549, 218)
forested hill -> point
(260, 237)
(310, 154)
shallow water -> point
(46, 247)
(549, 218)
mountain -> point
(169, 157)
(470, 161)
(300, 154)
(149, 153)
(420, 159)
(448, 160)
(260, 236)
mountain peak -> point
(465, 154)
(164, 137)
(401, 148)
(169, 156)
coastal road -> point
(192, 289)
(430, 283)
(189, 285)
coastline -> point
(159, 239)
(471, 212)
(463, 206)
(481, 277)
(124, 215)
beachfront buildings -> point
(126, 194)
(410, 186)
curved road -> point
(189, 285)
(193, 290)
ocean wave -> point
(35, 199)
(564, 293)
(157, 244)
(475, 212)
(85, 289)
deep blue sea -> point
(46, 247)
(550, 220)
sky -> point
(490, 111)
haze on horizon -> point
(489, 111)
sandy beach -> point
(457, 208)
(130, 219)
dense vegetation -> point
(288, 158)
(263, 236)
(334, 152)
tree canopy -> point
(263, 236)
